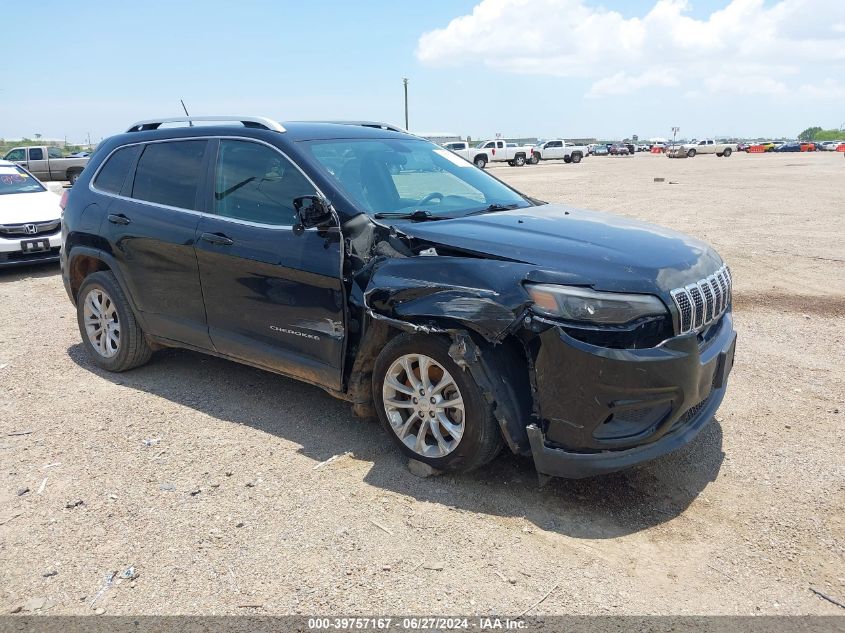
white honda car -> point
(30, 218)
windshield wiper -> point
(493, 208)
(418, 215)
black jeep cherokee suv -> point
(401, 278)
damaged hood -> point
(575, 246)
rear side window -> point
(54, 152)
(113, 174)
(36, 153)
(256, 183)
(169, 173)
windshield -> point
(13, 179)
(403, 176)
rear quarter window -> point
(169, 173)
(116, 168)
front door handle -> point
(217, 238)
(118, 218)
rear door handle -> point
(118, 218)
(217, 238)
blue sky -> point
(545, 73)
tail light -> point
(63, 201)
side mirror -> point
(311, 211)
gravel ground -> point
(226, 513)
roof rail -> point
(374, 124)
(259, 122)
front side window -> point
(255, 183)
(36, 153)
(14, 179)
(111, 176)
(405, 175)
(16, 154)
(169, 173)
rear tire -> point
(576, 158)
(480, 161)
(470, 436)
(73, 177)
(110, 333)
(567, 159)
(727, 152)
(519, 161)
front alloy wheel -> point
(102, 323)
(423, 405)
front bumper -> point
(12, 253)
(604, 410)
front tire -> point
(691, 153)
(535, 158)
(480, 162)
(110, 333)
(432, 408)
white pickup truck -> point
(495, 151)
(709, 146)
(557, 149)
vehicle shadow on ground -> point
(17, 273)
(597, 508)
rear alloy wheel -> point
(431, 407)
(102, 324)
(72, 178)
(519, 161)
(110, 333)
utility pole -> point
(405, 83)
(675, 131)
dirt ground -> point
(228, 514)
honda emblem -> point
(31, 229)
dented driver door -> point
(272, 297)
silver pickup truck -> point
(47, 162)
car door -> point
(37, 163)
(554, 149)
(273, 297)
(151, 227)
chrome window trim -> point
(92, 188)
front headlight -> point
(585, 305)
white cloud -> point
(621, 83)
(748, 47)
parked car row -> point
(792, 146)
(517, 155)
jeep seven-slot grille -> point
(703, 302)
